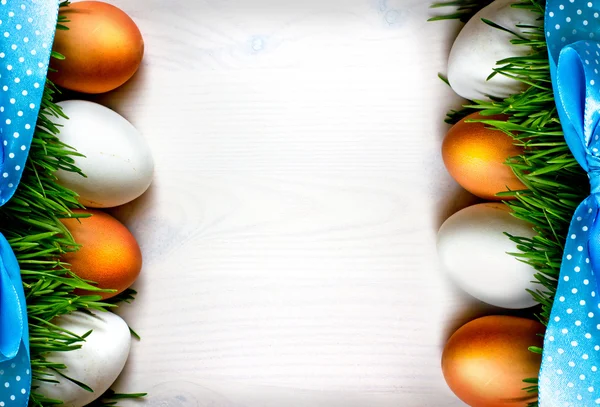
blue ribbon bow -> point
(570, 373)
(15, 374)
(27, 30)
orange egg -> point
(475, 155)
(109, 254)
(103, 48)
(486, 361)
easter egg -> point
(485, 362)
(118, 163)
(109, 254)
(479, 46)
(103, 48)
(97, 363)
(474, 252)
(475, 154)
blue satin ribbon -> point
(15, 369)
(27, 30)
(570, 372)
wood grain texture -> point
(289, 235)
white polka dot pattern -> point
(569, 21)
(569, 375)
(15, 380)
(27, 30)
(572, 343)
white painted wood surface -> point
(289, 236)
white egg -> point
(473, 250)
(479, 47)
(118, 162)
(97, 363)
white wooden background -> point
(289, 235)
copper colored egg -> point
(475, 157)
(109, 254)
(486, 361)
(103, 48)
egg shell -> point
(118, 161)
(109, 254)
(103, 48)
(478, 47)
(473, 250)
(97, 363)
(475, 154)
(486, 361)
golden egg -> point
(486, 361)
(109, 254)
(475, 157)
(103, 48)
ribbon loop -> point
(15, 367)
(577, 91)
(11, 317)
(26, 35)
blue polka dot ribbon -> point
(27, 30)
(570, 373)
(15, 374)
